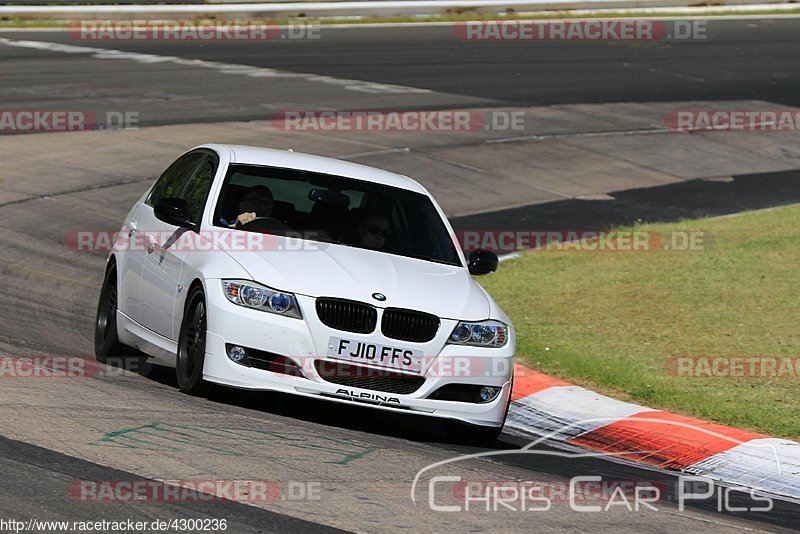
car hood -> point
(351, 273)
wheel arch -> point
(111, 262)
(197, 282)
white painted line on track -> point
(376, 152)
(360, 86)
(610, 133)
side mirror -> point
(482, 262)
(174, 211)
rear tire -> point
(106, 341)
(192, 346)
(107, 347)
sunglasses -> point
(375, 230)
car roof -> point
(250, 155)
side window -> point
(171, 182)
(196, 189)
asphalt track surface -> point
(667, 203)
(747, 60)
(739, 59)
(36, 479)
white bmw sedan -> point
(272, 270)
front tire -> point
(192, 346)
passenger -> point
(373, 231)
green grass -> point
(610, 320)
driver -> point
(255, 203)
(373, 231)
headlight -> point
(258, 297)
(482, 334)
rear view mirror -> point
(331, 198)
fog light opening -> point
(237, 354)
(489, 393)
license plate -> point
(374, 354)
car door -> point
(130, 263)
(166, 255)
(131, 260)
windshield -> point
(334, 209)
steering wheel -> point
(263, 224)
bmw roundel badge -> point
(379, 296)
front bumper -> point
(304, 341)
